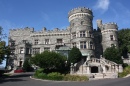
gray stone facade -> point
(25, 42)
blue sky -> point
(54, 13)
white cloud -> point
(122, 14)
(102, 4)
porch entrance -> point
(94, 69)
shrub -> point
(75, 78)
(125, 72)
(55, 76)
(38, 72)
(41, 76)
(49, 60)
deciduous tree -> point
(74, 55)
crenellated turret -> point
(109, 35)
(82, 30)
(80, 12)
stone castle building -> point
(80, 33)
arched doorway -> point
(94, 69)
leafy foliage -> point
(58, 76)
(1, 34)
(113, 54)
(125, 72)
(49, 61)
(27, 66)
(75, 78)
(124, 41)
(74, 55)
(4, 50)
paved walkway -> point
(24, 80)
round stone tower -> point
(82, 30)
(109, 35)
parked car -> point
(19, 70)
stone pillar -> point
(88, 69)
(88, 58)
(99, 69)
(113, 68)
(120, 68)
(71, 69)
(104, 69)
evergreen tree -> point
(27, 66)
(49, 61)
(124, 41)
(74, 55)
(113, 54)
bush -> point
(38, 72)
(125, 72)
(49, 61)
(27, 66)
(75, 78)
(125, 65)
(42, 76)
(55, 76)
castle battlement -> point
(23, 29)
(80, 10)
(110, 25)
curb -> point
(54, 81)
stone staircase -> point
(96, 76)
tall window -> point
(59, 41)
(91, 45)
(46, 41)
(36, 41)
(47, 48)
(82, 34)
(24, 41)
(90, 33)
(111, 37)
(12, 52)
(36, 50)
(21, 50)
(74, 44)
(27, 51)
(12, 43)
(83, 45)
(74, 35)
